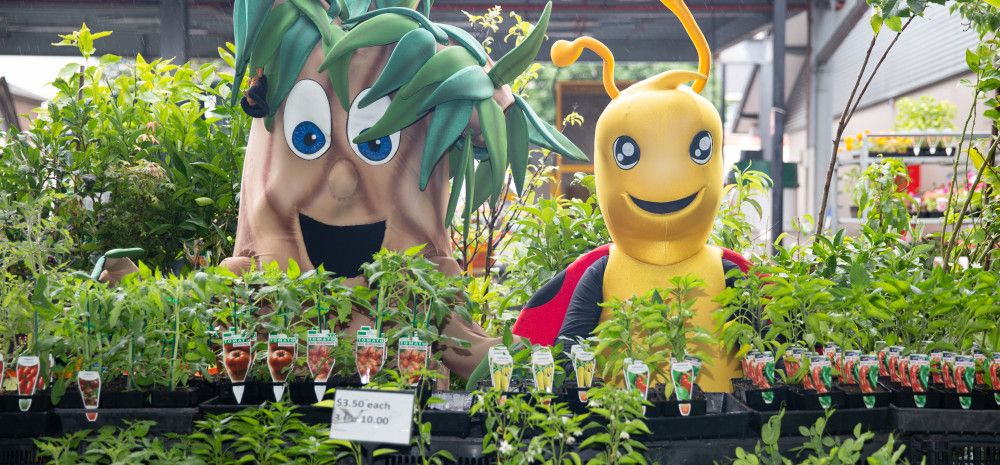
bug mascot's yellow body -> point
(659, 171)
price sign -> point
(372, 416)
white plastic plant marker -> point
(319, 358)
(237, 358)
(281, 350)
(89, 383)
(27, 379)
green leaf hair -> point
(433, 68)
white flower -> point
(565, 420)
(570, 440)
(578, 433)
(624, 436)
(505, 448)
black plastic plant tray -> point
(27, 424)
(725, 417)
(168, 420)
(221, 405)
(842, 421)
(941, 421)
(18, 452)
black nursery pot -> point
(254, 393)
(179, 398)
(856, 399)
(978, 399)
(761, 400)
(122, 399)
(664, 407)
(40, 402)
(27, 424)
(571, 395)
(903, 397)
(803, 399)
(450, 417)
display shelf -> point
(865, 156)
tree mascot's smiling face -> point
(355, 112)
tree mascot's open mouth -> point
(341, 249)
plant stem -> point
(845, 117)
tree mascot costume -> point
(658, 167)
(356, 104)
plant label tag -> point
(320, 358)
(411, 358)
(543, 369)
(237, 358)
(27, 380)
(584, 365)
(89, 383)
(372, 416)
(369, 353)
(501, 367)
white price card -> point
(384, 417)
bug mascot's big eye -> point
(377, 151)
(307, 120)
(626, 152)
(701, 147)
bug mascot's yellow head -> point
(657, 154)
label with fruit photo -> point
(936, 358)
(281, 351)
(851, 360)
(683, 377)
(764, 369)
(793, 361)
(637, 377)
(748, 364)
(965, 377)
(543, 369)
(27, 379)
(584, 366)
(882, 351)
(995, 376)
(918, 370)
(369, 353)
(320, 358)
(866, 374)
(980, 358)
(237, 355)
(892, 359)
(903, 369)
(820, 371)
(948, 370)
(501, 367)
(89, 383)
(412, 358)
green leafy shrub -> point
(139, 154)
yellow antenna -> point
(565, 53)
(683, 13)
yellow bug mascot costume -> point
(658, 166)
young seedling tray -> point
(903, 398)
(168, 420)
(179, 398)
(809, 400)
(978, 399)
(724, 417)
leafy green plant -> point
(924, 113)
(617, 440)
(653, 328)
(126, 148)
(733, 228)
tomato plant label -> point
(89, 383)
(281, 350)
(412, 355)
(369, 353)
(372, 416)
(237, 358)
(319, 358)
(27, 379)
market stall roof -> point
(636, 30)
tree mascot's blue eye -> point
(307, 138)
(376, 150)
